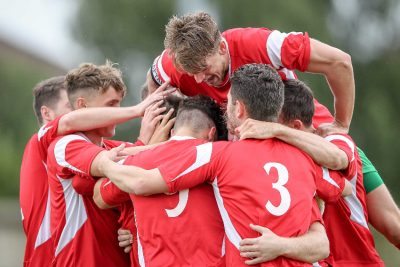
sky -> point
(41, 26)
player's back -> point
(351, 241)
(181, 229)
(83, 234)
(264, 182)
(35, 205)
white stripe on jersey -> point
(327, 177)
(290, 75)
(139, 245)
(44, 233)
(274, 46)
(75, 214)
(160, 68)
(330, 138)
(42, 131)
(59, 150)
(203, 156)
(354, 204)
(230, 230)
(183, 199)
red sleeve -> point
(295, 51)
(330, 184)
(189, 169)
(75, 154)
(163, 69)
(346, 144)
(48, 133)
(111, 194)
(83, 185)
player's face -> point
(111, 98)
(232, 121)
(217, 68)
(63, 106)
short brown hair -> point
(298, 104)
(47, 93)
(90, 77)
(261, 90)
(190, 39)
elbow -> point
(138, 187)
(344, 62)
(339, 161)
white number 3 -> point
(283, 177)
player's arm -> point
(320, 150)
(383, 214)
(310, 247)
(97, 197)
(337, 67)
(91, 118)
(151, 84)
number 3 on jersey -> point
(283, 177)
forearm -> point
(337, 67)
(320, 150)
(91, 118)
(310, 247)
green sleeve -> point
(372, 179)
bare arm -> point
(337, 67)
(383, 214)
(320, 150)
(91, 118)
(98, 199)
(310, 247)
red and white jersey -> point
(83, 234)
(264, 182)
(283, 51)
(179, 229)
(34, 196)
(351, 242)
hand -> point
(163, 130)
(125, 239)
(152, 116)
(157, 95)
(256, 129)
(106, 157)
(261, 249)
(335, 127)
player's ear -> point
(240, 109)
(212, 134)
(297, 124)
(80, 103)
(222, 48)
(46, 114)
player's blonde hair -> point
(190, 39)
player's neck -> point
(184, 131)
(94, 137)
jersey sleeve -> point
(330, 184)
(48, 133)
(163, 69)
(189, 169)
(111, 194)
(346, 144)
(289, 50)
(83, 185)
(74, 154)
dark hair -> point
(298, 104)
(144, 91)
(47, 93)
(260, 88)
(208, 107)
(90, 77)
(172, 101)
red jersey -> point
(351, 242)
(261, 174)
(283, 51)
(179, 229)
(34, 196)
(83, 234)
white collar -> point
(180, 137)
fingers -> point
(170, 124)
(250, 254)
(254, 261)
(162, 87)
(167, 117)
(247, 242)
(260, 229)
(127, 249)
